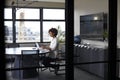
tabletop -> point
(18, 50)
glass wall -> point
(90, 39)
(30, 25)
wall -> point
(118, 25)
(83, 7)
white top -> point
(54, 48)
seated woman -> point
(53, 47)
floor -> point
(47, 75)
(83, 75)
(44, 75)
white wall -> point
(118, 16)
(83, 7)
(118, 25)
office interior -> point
(90, 52)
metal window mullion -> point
(41, 24)
(14, 21)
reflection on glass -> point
(27, 31)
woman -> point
(53, 47)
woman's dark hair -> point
(53, 30)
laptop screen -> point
(37, 45)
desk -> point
(29, 61)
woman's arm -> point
(46, 47)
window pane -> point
(48, 25)
(27, 13)
(7, 13)
(27, 31)
(54, 14)
(8, 32)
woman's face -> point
(51, 34)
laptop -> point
(37, 45)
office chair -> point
(59, 61)
(26, 45)
(29, 62)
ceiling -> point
(28, 2)
(61, 1)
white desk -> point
(17, 50)
(20, 63)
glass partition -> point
(28, 22)
(91, 53)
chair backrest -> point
(26, 45)
(11, 45)
(61, 51)
(63, 48)
(30, 52)
(30, 58)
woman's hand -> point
(43, 47)
(46, 47)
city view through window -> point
(28, 24)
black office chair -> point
(26, 45)
(60, 60)
(29, 62)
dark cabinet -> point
(89, 57)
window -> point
(25, 13)
(47, 25)
(27, 31)
(8, 25)
(30, 25)
(8, 31)
(53, 18)
(7, 13)
(54, 14)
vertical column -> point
(112, 44)
(69, 17)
